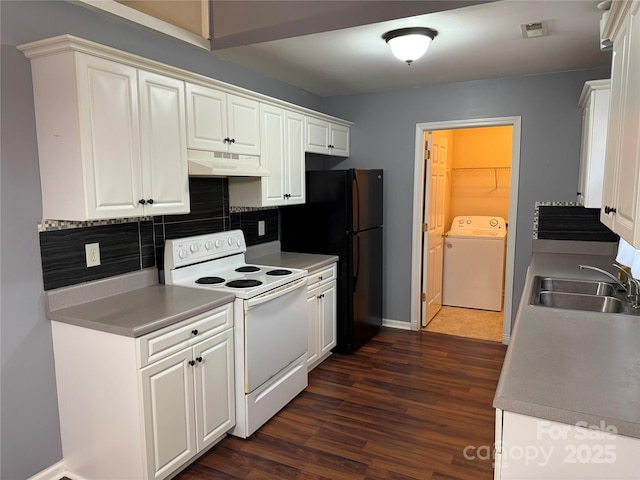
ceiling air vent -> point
(535, 29)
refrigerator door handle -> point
(356, 260)
(356, 203)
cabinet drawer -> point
(168, 340)
(322, 276)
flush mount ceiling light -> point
(409, 44)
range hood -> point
(219, 164)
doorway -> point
(474, 174)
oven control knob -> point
(194, 247)
(218, 243)
(230, 241)
(208, 245)
(182, 254)
(239, 242)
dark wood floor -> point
(404, 406)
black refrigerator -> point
(343, 216)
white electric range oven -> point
(270, 320)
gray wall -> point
(383, 136)
(30, 436)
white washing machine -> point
(474, 261)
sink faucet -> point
(604, 272)
(632, 287)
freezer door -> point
(367, 285)
(366, 191)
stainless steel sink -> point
(581, 295)
(574, 286)
(577, 301)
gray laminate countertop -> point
(270, 254)
(572, 366)
(130, 313)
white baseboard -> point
(506, 338)
(54, 472)
(387, 322)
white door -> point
(339, 141)
(295, 163)
(327, 318)
(433, 236)
(206, 118)
(214, 388)
(243, 125)
(273, 154)
(164, 144)
(108, 100)
(317, 135)
(169, 417)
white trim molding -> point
(416, 239)
(54, 472)
(399, 324)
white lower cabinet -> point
(143, 408)
(530, 448)
(322, 313)
(188, 403)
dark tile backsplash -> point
(572, 223)
(63, 252)
(127, 247)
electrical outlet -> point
(92, 252)
(260, 228)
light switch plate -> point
(260, 228)
(92, 252)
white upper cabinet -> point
(282, 155)
(111, 140)
(119, 135)
(221, 122)
(621, 189)
(594, 102)
(326, 137)
(165, 181)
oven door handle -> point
(276, 292)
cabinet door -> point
(627, 214)
(327, 317)
(592, 151)
(244, 125)
(339, 143)
(313, 344)
(620, 54)
(164, 144)
(316, 135)
(295, 162)
(584, 150)
(214, 388)
(206, 118)
(273, 155)
(109, 122)
(169, 417)
(622, 169)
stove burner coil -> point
(243, 283)
(247, 269)
(209, 280)
(278, 272)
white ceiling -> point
(475, 42)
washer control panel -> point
(478, 223)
